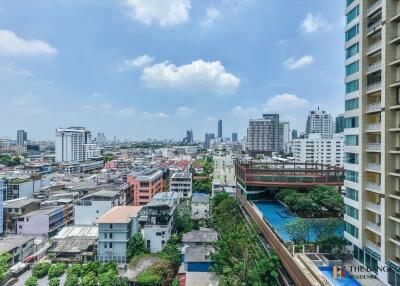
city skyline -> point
(124, 82)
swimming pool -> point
(278, 215)
(347, 280)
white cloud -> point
(184, 110)
(156, 115)
(126, 112)
(11, 44)
(138, 62)
(284, 102)
(313, 23)
(211, 16)
(11, 69)
(244, 111)
(196, 77)
(26, 104)
(162, 12)
(293, 64)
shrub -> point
(31, 281)
(41, 269)
(56, 270)
(89, 279)
(54, 281)
(71, 280)
(75, 270)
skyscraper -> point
(339, 123)
(265, 135)
(207, 140)
(22, 137)
(69, 144)
(294, 134)
(220, 128)
(320, 121)
(234, 137)
(372, 140)
(189, 136)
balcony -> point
(374, 127)
(374, 167)
(373, 226)
(374, 7)
(374, 87)
(395, 84)
(373, 48)
(374, 107)
(395, 107)
(396, 62)
(374, 67)
(396, 17)
(396, 173)
(395, 239)
(373, 147)
(396, 39)
(376, 208)
(374, 28)
(395, 129)
(395, 151)
(373, 187)
(374, 246)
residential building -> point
(203, 236)
(91, 152)
(22, 137)
(13, 209)
(69, 144)
(200, 206)
(18, 246)
(181, 183)
(319, 150)
(116, 227)
(207, 140)
(265, 135)
(224, 170)
(372, 135)
(24, 186)
(339, 123)
(220, 128)
(234, 137)
(319, 121)
(189, 136)
(144, 185)
(294, 134)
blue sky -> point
(142, 69)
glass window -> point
(348, 2)
(352, 68)
(351, 140)
(352, 86)
(351, 104)
(352, 212)
(351, 158)
(352, 194)
(352, 32)
(351, 51)
(351, 122)
(353, 14)
(351, 229)
(351, 176)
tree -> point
(54, 281)
(56, 270)
(41, 269)
(299, 230)
(283, 193)
(75, 270)
(304, 204)
(111, 278)
(91, 267)
(265, 271)
(31, 281)
(71, 280)
(182, 219)
(4, 265)
(136, 246)
(89, 279)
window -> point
(110, 245)
(352, 68)
(351, 104)
(352, 32)
(348, 2)
(353, 14)
(352, 50)
(111, 226)
(352, 194)
(351, 229)
(352, 86)
(351, 140)
(351, 158)
(351, 176)
(110, 235)
(351, 122)
(105, 245)
(352, 212)
(105, 235)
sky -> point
(139, 69)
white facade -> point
(265, 135)
(182, 184)
(224, 170)
(87, 212)
(91, 151)
(320, 121)
(69, 144)
(318, 150)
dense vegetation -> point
(4, 265)
(320, 201)
(9, 160)
(202, 186)
(136, 246)
(208, 165)
(31, 281)
(240, 259)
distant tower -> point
(22, 137)
(220, 128)
(320, 121)
(234, 137)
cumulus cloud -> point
(196, 77)
(161, 12)
(11, 44)
(244, 111)
(184, 110)
(293, 64)
(211, 16)
(283, 102)
(313, 23)
(138, 62)
(11, 69)
(126, 112)
(156, 115)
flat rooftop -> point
(44, 211)
(119, 214)
(203, 235)
(78, 231)
(182, 175)
(19, 203)
(9, 243)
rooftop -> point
(20, 202)
(198, 253)
(73, 244)
(9, 243)
(146, 175)
(119, 214)
(78, 231)
(44, 211)
(203, 235)
(182, 175)
(200, 198)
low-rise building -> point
(181, 183)
(203, 236)
(200, 206)
(16, 208)
(198, 258)
(116, 227)
(144, 185)
(18, 246)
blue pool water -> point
(343, 281)
(278, 215)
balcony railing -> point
(374, 26)
(374, 187)
(374, 167)
(374, 106)
(374, 6)
(373, 226)
(374, 246)
(374, 67)
(373, 207)
(374, 86)
(374, 146)
(374, 127)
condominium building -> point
(317, 149)
(339, 123)
(22, 137)
(372, 134)
(265, 135)
(144, 185)
(181, 183)
(220, 128)
(319, 121)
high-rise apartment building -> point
(339, 123)
(22, 137)
(189, 136)
(207, 140)
(220, 128)
(234, 137)
(294, 134)
(319, 121)
(372, 135)
(265, 135)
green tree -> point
(40, 269)
(299, 230)
(54, 281)
(75, 270)
(71, 280)
(136, 246)
(56, 270)
(182, 219)
(4, 265)
(265, 272)
(111, 278)
(91, 267)
(283, 193)
(31, 281)
(304, 204)
(90, 279)
(149, 278)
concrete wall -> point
(88, 214)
